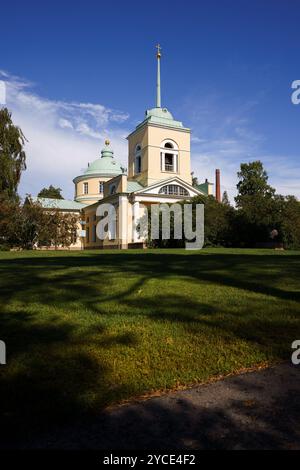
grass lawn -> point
(87, 329)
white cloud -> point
(2, 92)
(62, 137)
(65, 124)
(227, 140)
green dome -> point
(106, 165)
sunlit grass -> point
(88, 329)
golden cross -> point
(158, 50)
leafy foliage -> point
(51, 192)
(30, 226)
(12, 155)
(261, 217)
(253, 181)
(195, 181)
(217, 221)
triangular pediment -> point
(175, 180)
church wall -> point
(124, 226)
(93, 189)
(182, 138)
(119, 182)
(150, 138)
(140, 137)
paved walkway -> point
(256, 410)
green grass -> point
(87, 329)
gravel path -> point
(256, 410)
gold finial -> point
(158, 55)
(107, 142)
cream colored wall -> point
(139, 137)
(150, 138)
(120, 182)
(93, 193)
(90, 221)
(182, 139)
(210, 189)
(123, 227)
(124, 210)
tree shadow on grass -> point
(240, 271)
(55, 374)
(52, 375)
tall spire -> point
(158, 96)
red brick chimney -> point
(218, 186)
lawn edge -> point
(216, 378)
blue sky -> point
(76, 74)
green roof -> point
(203, 187)
(62, 204)
(161, 116)
(133, 186)
(106, 165)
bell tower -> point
(159, 147)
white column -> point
(123, 221)
(135, 221)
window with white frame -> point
(173, 190)
(138, 160)
(85, 188)
(101, 187)
(169, 156)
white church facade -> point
(159, 171)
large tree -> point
(51, 192)
(256, 215)
(217, 221)
(12, 155)
(217, 224)
(253, 181)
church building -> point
(159, 171)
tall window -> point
(173, 190)
(101, 187)
(85, 188)
(169, 156)
(138, 160)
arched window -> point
(138, 160)
(169, 156)
(169, 145)
(173, 190)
